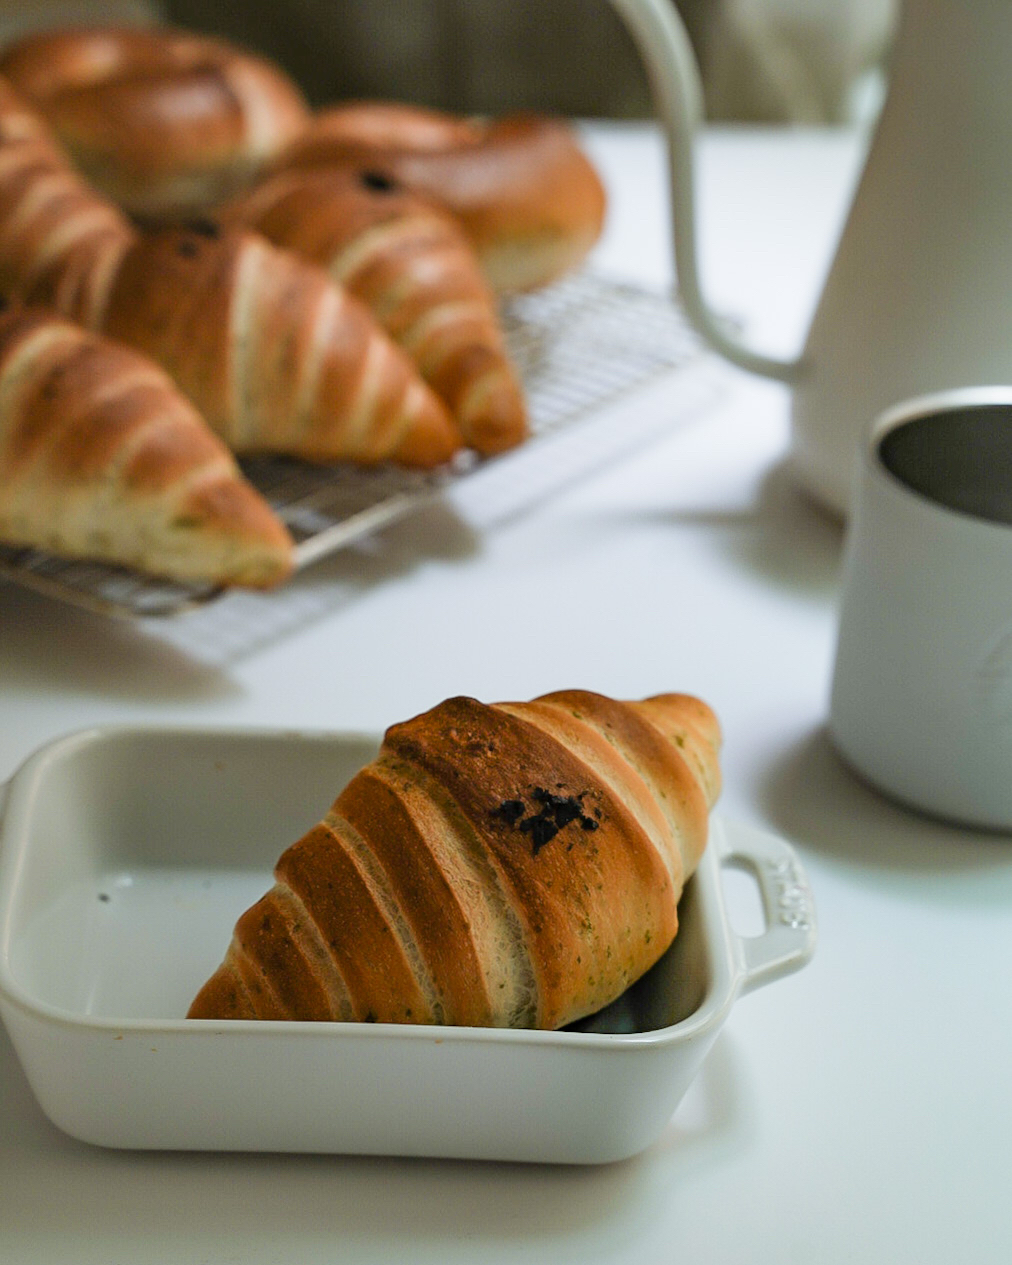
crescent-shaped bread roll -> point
(518, 865)
(277, 357)
(59, 240)
(101, 457)
(412, 265)
(529, 199)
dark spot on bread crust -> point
(552, 814)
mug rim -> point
(930, 404)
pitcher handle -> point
(664, 47)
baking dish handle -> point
(788, 940)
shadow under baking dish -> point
(127, 856)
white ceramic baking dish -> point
(126, 856)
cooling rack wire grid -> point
(581, 346)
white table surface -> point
(860, 1110)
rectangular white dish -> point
(126, 856)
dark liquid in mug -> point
(960, 458)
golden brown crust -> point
(519, 863)
(589, 894)
(693, 728)
(224, 996)
(163, 122)
(276, 357)
(281, 974)
(369, 954)
(57, 237)
(654, 768)
(101, 457)
(413, 267)
(390, 125)
(528, 197)
(439, 924)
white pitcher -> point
(919, 297)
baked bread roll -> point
(163, 122)
(275, 355)
(411, 264)
(58, 240)
(516, 865)
(101, 457)
(528, 197)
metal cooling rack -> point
(579, 346)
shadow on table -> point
(49, 644)
(784, 537)
(46, 642)
(49, 647)
(388, 1209)
(814, 798)
(798, 545)
(243, 623)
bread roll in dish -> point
(512, 865)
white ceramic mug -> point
(922, 692)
